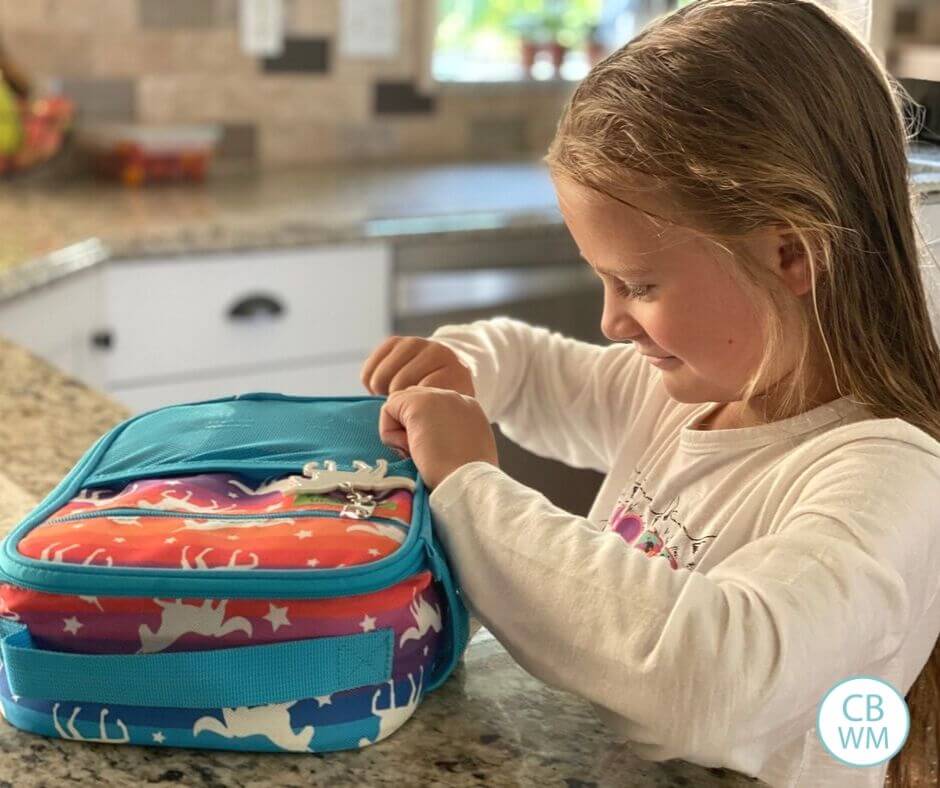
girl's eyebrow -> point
(632, 270)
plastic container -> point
(136, 155)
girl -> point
(768, 416)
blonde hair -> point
(759, 113)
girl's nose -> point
(618, 326)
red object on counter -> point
(133, 165)
(140, 155)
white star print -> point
(72, 625)
(119, 539)
(79, 525)
(171, 540)
(373, 551)
(277, 616)
(324, 700)
(233, 495)
(232, 538)
(425, 651)
(159, 737)
(312, 562)
(303, 534)
(367, 623)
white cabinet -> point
(158, 331)
(929, 219)
(311, 380)
(56, 321)
(222, 313)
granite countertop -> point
(53, 230)
(50, 231)
(489, 724)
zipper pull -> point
(360, 506)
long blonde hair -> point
(758, 113)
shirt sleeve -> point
(556, 396)
(721, 667)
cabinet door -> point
(333, 380)
(929, 220)
(220, 314)
(56, 321)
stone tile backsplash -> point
(180, 61)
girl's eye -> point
(633, 291)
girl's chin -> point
(665, 363)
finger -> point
(416, 371)
(396, 358)
(373, 361)
(392, 430)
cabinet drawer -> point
(324, 380)
(227, 312)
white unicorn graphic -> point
(379, 529)
(8, 614)
(92, 600)
(284, 485)
(57, 556)
(426, 616)
(71, 732)
(393, 717)
(99, 498)
(232, 561)
(215, 525)
(272, 721)
(170, 503)
(179, 619)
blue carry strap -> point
(220, 678)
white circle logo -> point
(863, 721)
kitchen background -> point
(213, 196)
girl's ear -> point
(792, 262)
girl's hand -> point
(440, 429)
(400, 362)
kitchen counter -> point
(490, 724)
(51, 231)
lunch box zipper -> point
(132, 511)
(312, 583)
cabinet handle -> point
(255, 306)
(102, 340)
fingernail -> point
(400, 453)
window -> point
(518, 40)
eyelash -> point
(633, 291)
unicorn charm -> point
(365, 477)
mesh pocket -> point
(259, 432)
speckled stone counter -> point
(490, 724)
(53, 230)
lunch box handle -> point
(212, 679)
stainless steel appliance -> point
(534, 275)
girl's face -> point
(665, 291)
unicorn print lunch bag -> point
(257, 572)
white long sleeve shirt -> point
(723, 580)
